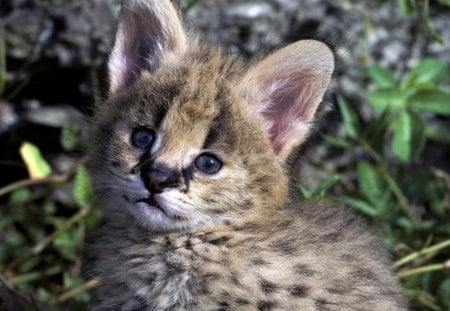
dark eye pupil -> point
(143, 137)
(208, 164)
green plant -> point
(42, 241)
(422, 8)
(397, 187)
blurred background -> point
(383, 147)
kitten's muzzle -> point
(158, 179)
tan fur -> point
(236, 239)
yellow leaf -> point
(36, 165)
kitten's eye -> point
(143, 138)
(207, 164)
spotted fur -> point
(238, 239)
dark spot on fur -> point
(259, 262)
(215, 211)
(187, 177)
(126, 199)
(168, 243)
(246, 204)
(337, 290)
(211, 276)
(303, 269)
(242, 301)
(265, 305)
(219, 241)
(332, 237)
(188, 245)
(298, 291)
(115, 164)
(209, 200)
(268, 287)
(204, 288)
(360, 272)
(264, 179)
(224, 304)
(284, 246)
(322, 304)
(211, 138)
(173, 269)
(234, 277)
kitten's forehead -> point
(195, 99)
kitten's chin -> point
(157, 214)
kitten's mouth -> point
(150, 201)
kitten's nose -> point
(159, 179)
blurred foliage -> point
(42, 243)
(390, 180)
(422, 8)
(397, 188)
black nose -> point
(159, 179)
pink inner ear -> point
(139, 49)
(148, 30)
(291, 104)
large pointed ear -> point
(286, 88)
(148, 30)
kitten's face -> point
(188, 136)
(180, 147)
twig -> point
(430, 249)
(43, 244)
(424, 269)
(396, 190)
(25, 278)
(72, 220)
(75, 291)
(54, 179)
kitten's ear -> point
(286, 88)
(148, 30)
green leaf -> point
(70, 283)
(43, 294)
(305, 192)
(336, 141)
(409, 136)
(382, 99)
(93, 217)
(445, 2)
(362, 206)
(189, 5)
(350, 118)
(383, 77)
(435, 100)
(19, 196)
(36, 164)
(324, 186)
(444, 293)
(66, 244)
(407, 7)
(375, 130)
(370, 183)
(83, 192)
(438, 133)
(428, 24)
(426, 71)
(69, 136)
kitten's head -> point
(189, 136)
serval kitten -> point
(191, 157)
